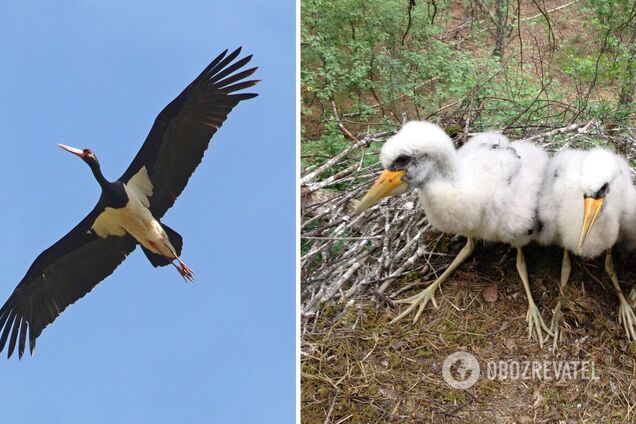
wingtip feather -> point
(14, 336)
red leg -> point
(185, 271)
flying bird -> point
(587, 205)
(488, 189)
(130, 209)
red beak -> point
(73, 150)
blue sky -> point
(144, 346)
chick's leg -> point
(555, 325)
(625, 311)
(421, 299)
(535, 322)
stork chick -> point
(488, 189)
(587, 205)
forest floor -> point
(357, 368)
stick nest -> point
(345, 258)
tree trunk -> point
(501, 17)
(628, 88)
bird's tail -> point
(175, 238)
(177, 242)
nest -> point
(345, 258)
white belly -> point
(136, 219)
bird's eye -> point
(602, 191)
(401, 162)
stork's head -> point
(418, 152)
(598, 171)
(87, 155)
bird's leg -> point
(184, 270)
(557, 317)
(422, 298)
(533, 317)
(632, 296)
(625, 311)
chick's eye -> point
(401, 161)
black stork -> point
(129, 210)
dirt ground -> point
(356, 368)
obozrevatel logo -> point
(466, 368)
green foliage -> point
(353, 46)
(364, 57)
(605, 55)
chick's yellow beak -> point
(591, 211)
(389, 183)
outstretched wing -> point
(182, 131)
(61, 275)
